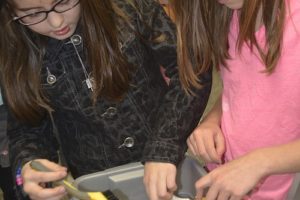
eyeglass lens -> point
(37, 17)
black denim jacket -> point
(151, 123)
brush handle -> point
(36, 165)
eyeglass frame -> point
(19, 19)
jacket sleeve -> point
(30, 142)
(178, 113)
(4, 159)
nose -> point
(56, 20)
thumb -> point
(51, 165)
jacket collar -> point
(54, 46)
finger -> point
(212, 192)
(211, 149)
(37, 192)
(145, 181)
(201, 185)
(191, 146)
(162, 190)
(58, 197)
(149, 182)
(171, 181)
(29, 174)
(237, 198)
(224, 195)
(194, 139)
(152, 190)
(199, 195)
(201, 150)
(220, 145)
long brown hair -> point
(194, 46)
(273, 17)
(215, 18)
(21, 53)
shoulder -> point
(140, 7)
(136, 3)
(293, 8)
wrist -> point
(212, 119)
(19, 179)
(265, 164)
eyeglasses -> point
(37, 17)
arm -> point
(178, 113)
(279, 159)
(28, 143)
(215, 114)
(207, 140)
(249, 170)
(244, 170)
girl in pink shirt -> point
(251, 138)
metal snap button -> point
(51, 79)
(4, 153)
(110, 112)
(128, 142)
(120, 45)
(76, 39)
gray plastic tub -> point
(126, 181)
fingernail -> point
(63, 174)
(63, 169)
(62, 190)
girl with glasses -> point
(86, 75)
(251, 138)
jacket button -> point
(76, 39)
(51, 79)
(4, 153)
(128, 142)
(120, 45)
(110, 112)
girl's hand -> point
(34, 181)
(160, 180)
(207, 141)
(233, 180)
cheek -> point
(39, 28)
(223, 1)
(234, 4)
(75, 15)
(239, 3)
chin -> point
(235, 6)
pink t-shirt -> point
(261, 110)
